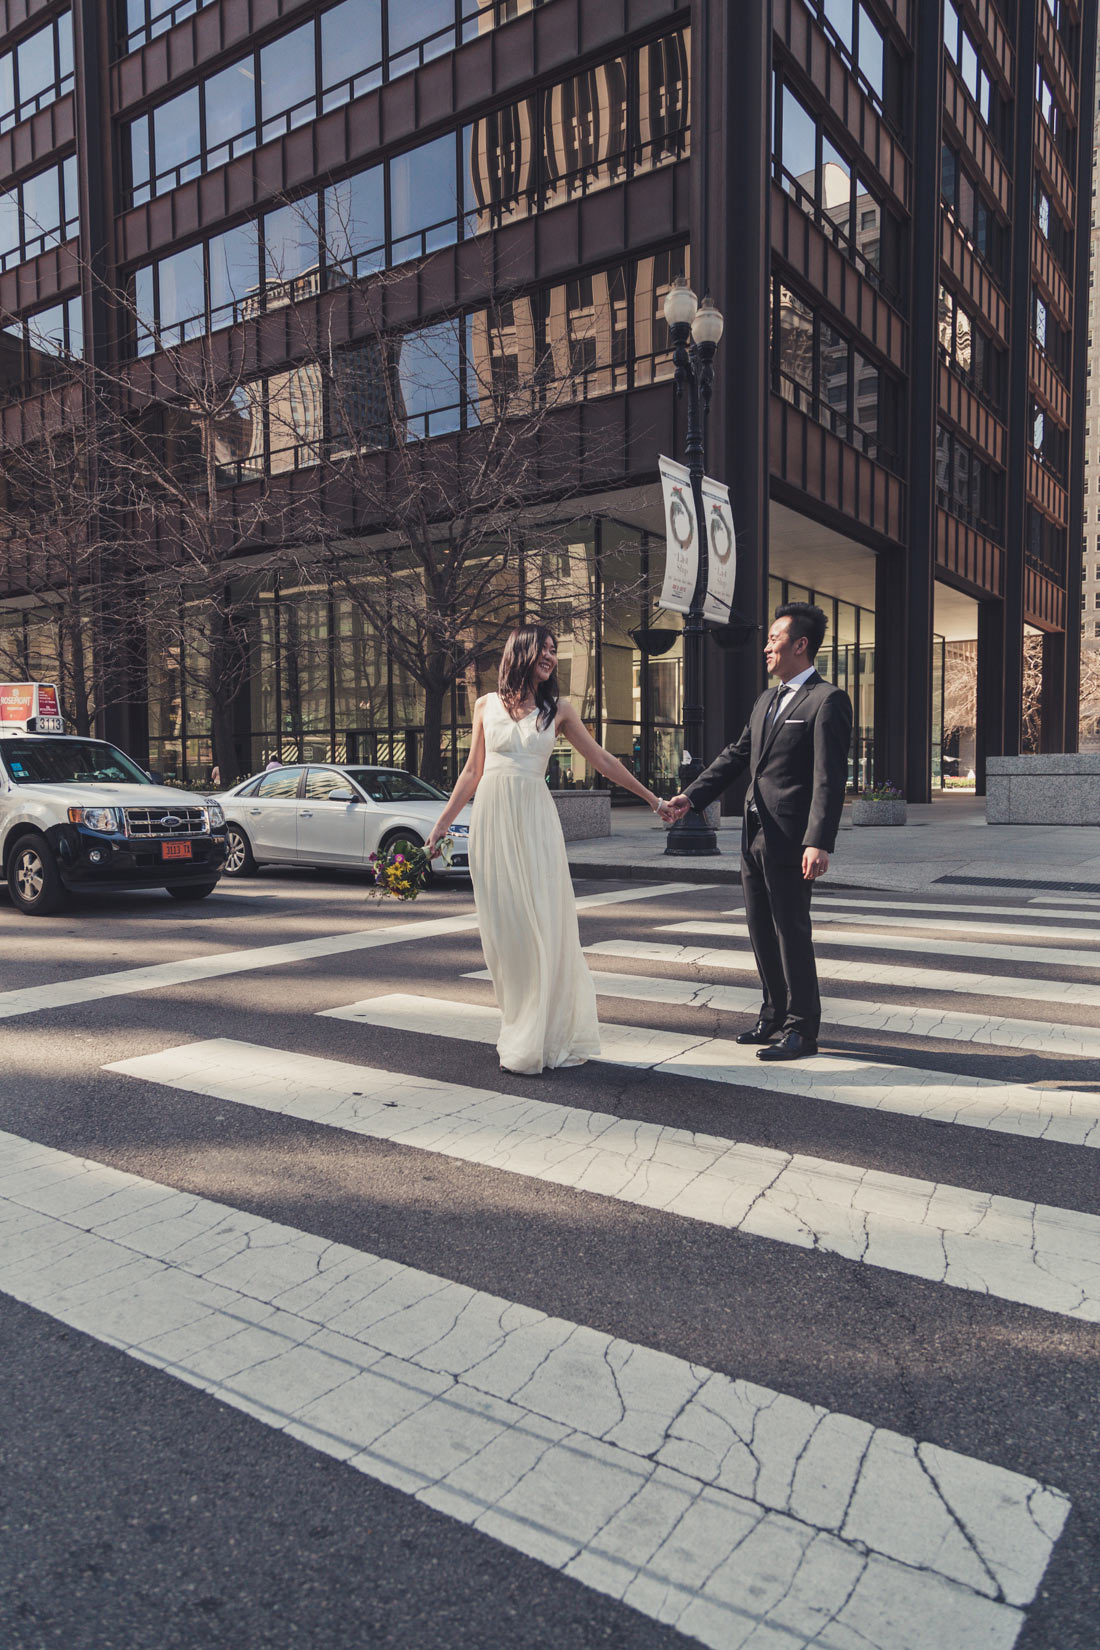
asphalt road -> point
(139, 1511)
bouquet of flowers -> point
(403, 870)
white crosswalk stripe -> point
(1032, 932)
(827, 898)
(952, 981)
(705, 1502)
(1038, 955)
(1043, 1257)
(1067, 1115)
(903, 1021)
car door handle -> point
(306, 813)
(255, 810)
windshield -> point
(69, 761)
(391, 785)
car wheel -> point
(34, 884)
(192, 890)
(240, 861)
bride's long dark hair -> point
(517, 672)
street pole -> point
(694, 330)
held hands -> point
(815, 863)
(675, 808)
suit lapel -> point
(793, 699)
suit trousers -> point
(777, 908)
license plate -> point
(175, 850)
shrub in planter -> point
(879, 805)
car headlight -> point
(215, 818)
(459, 830)
(97, 819)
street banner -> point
(682, 555)
(721, 551)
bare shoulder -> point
(566, 712)
(480, 703)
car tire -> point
(191, 890)
(34, 882)
(240, 861)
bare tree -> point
(436, 448)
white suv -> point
(78, 813)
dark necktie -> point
(773, 708)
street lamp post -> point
(694, 329)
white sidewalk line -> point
(996, 930)
(826, 897)
(703, 1501)
(955, 982)
(92, 987)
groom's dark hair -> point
(806, 620)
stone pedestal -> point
(583, 813)
(1043, 790)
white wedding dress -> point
(525, 905)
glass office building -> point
(900, 394)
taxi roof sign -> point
(33, 707)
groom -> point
(795, 748)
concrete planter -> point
(866, 812)
(583, 813)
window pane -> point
(176, 139)
(799, 142)
(796, 338)
(65, 45)
(181, 294)
(7, 84)
(76, 326)
(429, 370)
(36, 65)
(230, 99)
(836, 186)
(287, 81)
(145, 312)
(9, 224)
(351, 43)
(139, 158)
(290, 251)
(46, 330)
(834, 368)
(71, 184)
(423, 205)
(234, 273)
(355, 221)
(41, 210)
(410, 24)
(870, 51)
(320, 781)
(839, 14)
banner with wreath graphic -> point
(682, 558)
(721, 551)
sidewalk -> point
(946, 846)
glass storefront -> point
(321, 685)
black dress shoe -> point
(762, 1032)
(791, 1047)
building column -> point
(731, 258)
(905, 741)
(1056, 715)
(891, 574)
(989, 732)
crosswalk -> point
(741, 1515)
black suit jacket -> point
(798, 771)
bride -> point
(518, 864)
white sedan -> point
(307, 814)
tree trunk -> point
(431, 753)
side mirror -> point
(155, 775)
(342, 796)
